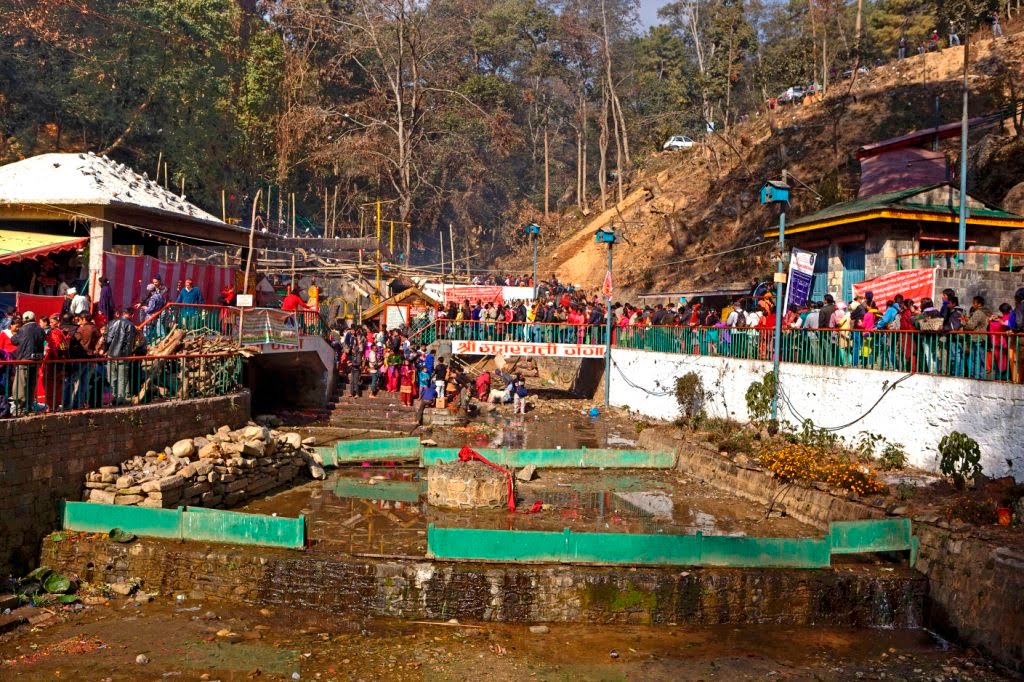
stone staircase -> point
(383, 412)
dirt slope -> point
(712, 190)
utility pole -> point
(603, 236)
(533, 229)
(962, 234)
(774, 192)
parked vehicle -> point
(677, 143)
(794, 95)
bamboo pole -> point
(440, 239)
(293, 237)
(223, 207)
(252, 236)
(451, 249)
(159, 165)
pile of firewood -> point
(181, 342)
(196, 376)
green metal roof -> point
(898, 200)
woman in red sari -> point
(406, 381)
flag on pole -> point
(606, 289)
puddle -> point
(568, 429)
(381, 510)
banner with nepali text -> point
(914, 284)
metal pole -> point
(780, 269)
(962, 237)
(608, 341)
(534, 267)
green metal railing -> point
(983, 355)
(65, 385)
(848, 537)
(247, 325)
(971, 355)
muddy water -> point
(382, 510)
(181, 642)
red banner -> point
(40, 305)
(914, 284)
(473, 294)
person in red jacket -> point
(292, 302)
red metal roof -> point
(918, 137)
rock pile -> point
(217, 470)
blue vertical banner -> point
(801, 273)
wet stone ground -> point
(200, 639)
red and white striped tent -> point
(129, 276)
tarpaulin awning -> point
(16, 245)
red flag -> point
(606, 289)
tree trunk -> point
(547, 173)
(602, 148)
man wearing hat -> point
(79, 303)
(29, 342)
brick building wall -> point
(43, 459)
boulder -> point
(102, 496)
(210, 450)
(125, 481)
(527, 473)
(253, 448)
(317, 472)
(128, 499)
(203, 467)
(163, 484)
(184, 448)
(255, 433)
(293, 440)
(110, 470)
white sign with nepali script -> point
(550, 350)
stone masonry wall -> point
(43, 459)
(975, 584)
(498, 592)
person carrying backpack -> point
(519, 394)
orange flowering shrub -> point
(797, 462)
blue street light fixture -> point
(533, 229)
(776, 192)
(603, 236)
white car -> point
(677, 142)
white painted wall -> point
(917, 413)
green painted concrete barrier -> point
(87, 517)
(328, 455)
(192, 523)
(673, 550)
(561, 459)
(216, 525)
(622, 548)
(875, 535)
(393, 491)
(350, 451)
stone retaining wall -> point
(43, 459)
(975, 583)
(500, 592)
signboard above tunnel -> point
(507, 348)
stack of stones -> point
(466, 485)
(218, 470)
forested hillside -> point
(474, 113)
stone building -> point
(903, 229)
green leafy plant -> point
(814, 437)
(893, 456)
(960, 458)
(690, 395)
(759, 397)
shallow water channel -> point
(381, 510)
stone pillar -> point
(101, 239)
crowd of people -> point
(392, 362)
